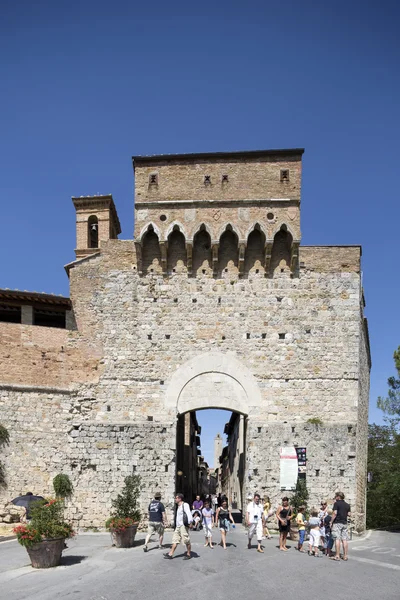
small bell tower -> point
(96, 221)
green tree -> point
(391, 404)
(383, 507)
(300, 495)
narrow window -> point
(224, 178)
(93, 232)
(207, 179)
(284, 174)
(153, 179)
(282, 336)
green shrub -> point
(62, 485)
(47, 522)
(315, 421)
(125, 505)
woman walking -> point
(284, 515)
(224, 518)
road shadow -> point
(67, 561)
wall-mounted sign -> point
(301, 456)
(288, 467)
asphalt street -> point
(93, 570)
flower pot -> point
(46, 554)
(294, 533)
(126, 538)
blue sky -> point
(86, 85)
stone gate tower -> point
(213, 304)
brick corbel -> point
(215, 248)
(268, 254)
(163, 251)
(294, 258)
(242, 253)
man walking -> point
(157, 520)
(254, 521)
(341, 511)
(183, 519)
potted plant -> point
(124, 520)
(44, 536)
(298, 499)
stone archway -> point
(212, 381)
(210, 370)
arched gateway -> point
(211, 380)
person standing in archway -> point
(254, 520)
(224, 519)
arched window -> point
(202, 254)
(93, 232)
(255, 252)
(281, 251)
(151, 254)
(228, 254)
(177, 258)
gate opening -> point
(210, 457)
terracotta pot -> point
(294, 533)
(124, 539)
(46, 554)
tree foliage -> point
(300, 495)
(383, 507)
(391, 404)
(126, 503)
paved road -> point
(93, 570)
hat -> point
(157, 494)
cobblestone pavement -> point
(92, 570)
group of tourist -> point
(326, 526)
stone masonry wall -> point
(298, 338)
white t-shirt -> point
(255, 512)
(179, 514)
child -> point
(328, 533)
(302, 528)
(315, 536)
(207, 513)
(196, 519)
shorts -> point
(340, 532)
(181, 535)
(302, 535)
(256, 528)
(207, 530)
(315, 538)
(155, 527)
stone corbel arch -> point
(252, 228)
(199, 228)
(278, 226)
(145, 229)
(227, 365)
(234, 229)
(171, 229)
